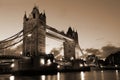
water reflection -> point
(117, 75)
(43, 77)
(82, 76)
(92, 75)
(58, 76)
(102, 75)
(70, 76)
(12, 77)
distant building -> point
(113, 59)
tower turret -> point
(69, 32)
(35, 12)
(25, 17)
(43, 17)
(72, 34)
(76, 36)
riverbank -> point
(106, 68)
(44, 71)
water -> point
(92, 75)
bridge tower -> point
(34, 32)
(70, 51)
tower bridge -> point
(35, 39)
(35, 42)
(35, 35)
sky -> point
(96, 21)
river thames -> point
(92, 75)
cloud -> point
(104, 51)
(93, 51)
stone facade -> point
(34, 32)
(69, 50)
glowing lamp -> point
(42, 61)
(12, 65)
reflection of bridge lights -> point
(43, 77)
(82, 76)
(42, 61)
(12, 65)
(117, 75)
(102, 75)
(102, 71)
(58, 76)
(12, 77)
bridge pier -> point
(69, 50)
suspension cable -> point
(7, 39)
(30, 31)
(18, 36)
(11, 39)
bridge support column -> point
(69, 50)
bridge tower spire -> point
(34, 32)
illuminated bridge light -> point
(12, 65)
(82, 75)
(42, 61)
(48, 62)
(72, 58)
(29, 35)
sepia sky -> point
(97, 21)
